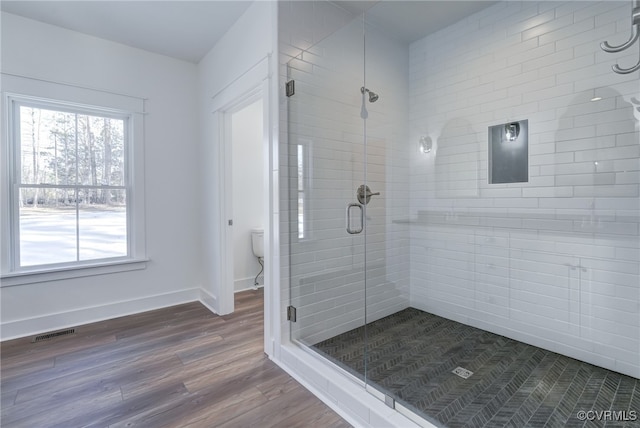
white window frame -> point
(54, 96)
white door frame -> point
(251, 86)
(225, 116)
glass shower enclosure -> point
(348, 188)
(343, 189)
(463, 196)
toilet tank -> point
(257, 242)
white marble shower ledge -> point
(619, 228)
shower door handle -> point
(351, 230)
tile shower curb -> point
(345, 396)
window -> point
(301, 190)
(304, 177)
(71, 187)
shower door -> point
(326, 167)
(347, 116)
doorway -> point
(254, 86)
(248, 190)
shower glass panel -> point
(326, 167)
(348, 190)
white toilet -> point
(257, 242)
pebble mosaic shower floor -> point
(413, 354)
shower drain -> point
(463, 373)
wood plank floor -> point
(175, 367)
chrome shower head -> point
(373, 97)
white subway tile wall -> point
(554, 261)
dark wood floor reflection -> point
(175, 367)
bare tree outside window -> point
(72, 193)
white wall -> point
(172, 275)
(554, 261)
(243, 46)
(248, 191)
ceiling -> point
(187, 30)
(409, 21)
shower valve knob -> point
(364, 194)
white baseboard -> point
(36, 325)
(247, 284)
(209, 301)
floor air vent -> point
(463, 373)
(53, 334)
